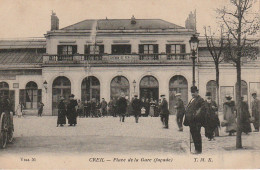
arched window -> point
(212, 87)
(90, 88)
(61, 87)
(149, 88)
(177, 84)
(30, 96)
(244, 89)
(119, 84)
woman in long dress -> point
(246, 127)
(61, 113)
(230, 115)
(19, 110)
(152, 107)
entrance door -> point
(119, 85)
(149, 88)
(90, 88)
(177, 84)
(61, 87)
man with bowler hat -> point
(194, 119)
(136, 104)
(164, 112)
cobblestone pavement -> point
(108, 135)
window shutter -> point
(183, 49)
(168, 48)
(74, 49)
(59, 50)
(39, 99)
(101, 49)
(141, 48)
(155, 48)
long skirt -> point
(61, 117)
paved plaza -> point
(109, 135)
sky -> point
(31, 18)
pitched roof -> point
(20, 57)
(123, 24)
(24, 43)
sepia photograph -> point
(129, 84)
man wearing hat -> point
(193, 118)
(136, 104)
(61, 112)
(164, 112)
(103, 107)
(71, 111)
(121, 107)
(211, 118)
(255, 111)
(180, 111)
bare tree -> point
(215, 46)
(240, 24)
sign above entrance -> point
(7, 77)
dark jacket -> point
(180, 107)
(61, 113)
(121, 105)
(137, 105)
(193, 111)
(211, 119)
(71, 111)
(164, 107)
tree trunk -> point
(217, 83)
(238, 106)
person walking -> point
(194, 119)
(164, 112)
(180, 109)
(104, 107)
(255, 111)
(245, 118)
(40, 109)
(71, 111)
(230, 115)
(61, 113)
(211, 118)
(121, 107)
(136, 104)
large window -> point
(30, 96)
(94, 49)
(212, 87)
(121, 49)
(119, 85)
(67, 49)
(148, 48)
(90, 88)
(175, 48)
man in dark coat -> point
(121, 107)
(164, 112)
(61, 113)
(245, 117)
(71, 111)
(180, 111)
(194, 119)
(136, 104)
(256, 111)
(211, 118)
(103, 107)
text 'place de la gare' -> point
(106, 57)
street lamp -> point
(134, 84)
(45, 85)
(194, 43)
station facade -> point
(104, 58)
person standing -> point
(230, 115)
(152, 108)
(136, 104)
(19, 110)
(245, 118)
(114, 106)
(255, 111)
(147, 107)
(71, 111)
(93, 106)
(80, 109)
(104, 107)
(180, 109)
(121, 107)
(164, 112)
(193, 118)
(211, 118)
(40, 109)
(61, 112)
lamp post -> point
(194, 43)
(134, 84)
(45, 84)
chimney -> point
(133, 21)
(54, 21)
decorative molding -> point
(148, 41)
(175, 41)
(66, 42)
(121, 41)
(97, 41)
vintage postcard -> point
(129, 84)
